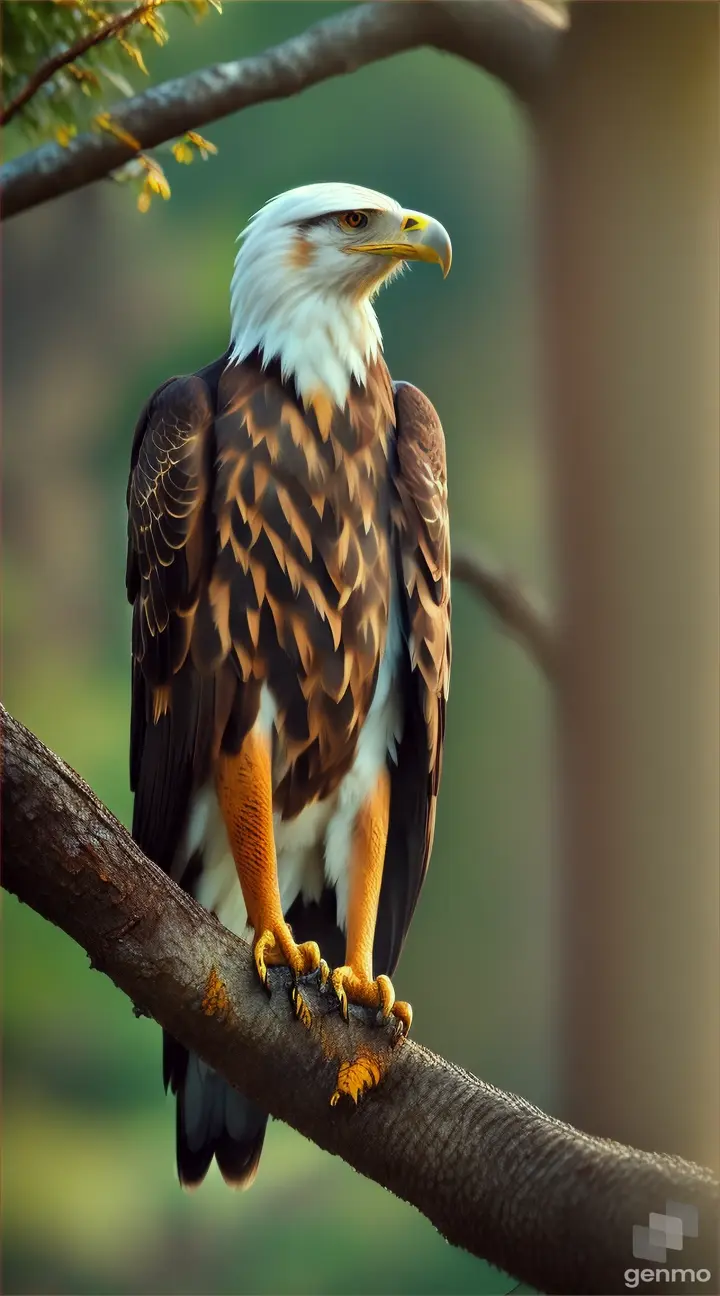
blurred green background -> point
(100, 305)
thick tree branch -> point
(47, 70)
(517, 612)
(509, 39)
(496, 1176)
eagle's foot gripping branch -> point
(275, 947)
(300, 1006)
(378, 994)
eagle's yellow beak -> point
(422, 239)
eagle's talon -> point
(398, 1033)
(403, 1014)
(277, 947)
(310, 951)
(343, 1001)
(300, 1008)
(265, 943)
(350, 988)
(386, 995)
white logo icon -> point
(666, 1232)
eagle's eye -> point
(353, 220)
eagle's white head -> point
(309, 264)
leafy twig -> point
(67, 56)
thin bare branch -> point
(518, 612)
(47, 70)
(496, 1176)
(509, 39)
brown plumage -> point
(289, 570)
(260, 550)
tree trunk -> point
(630, 181)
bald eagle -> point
(289, 571)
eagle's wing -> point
(167, 562)
(185, 688)
(422, 546)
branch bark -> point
(511, 40)
(496, 1176)
(518, 613)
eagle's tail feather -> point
(213, 1120)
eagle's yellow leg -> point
(244, 789)
(354, 983)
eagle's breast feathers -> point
(300, 592)
(265, 543)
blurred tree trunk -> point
(630, 181)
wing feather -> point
(168, 553)
(421, 535)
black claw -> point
(300, 1007)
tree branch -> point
(81, 46)
(518, 613)
(496, 1176)
(512, 40)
